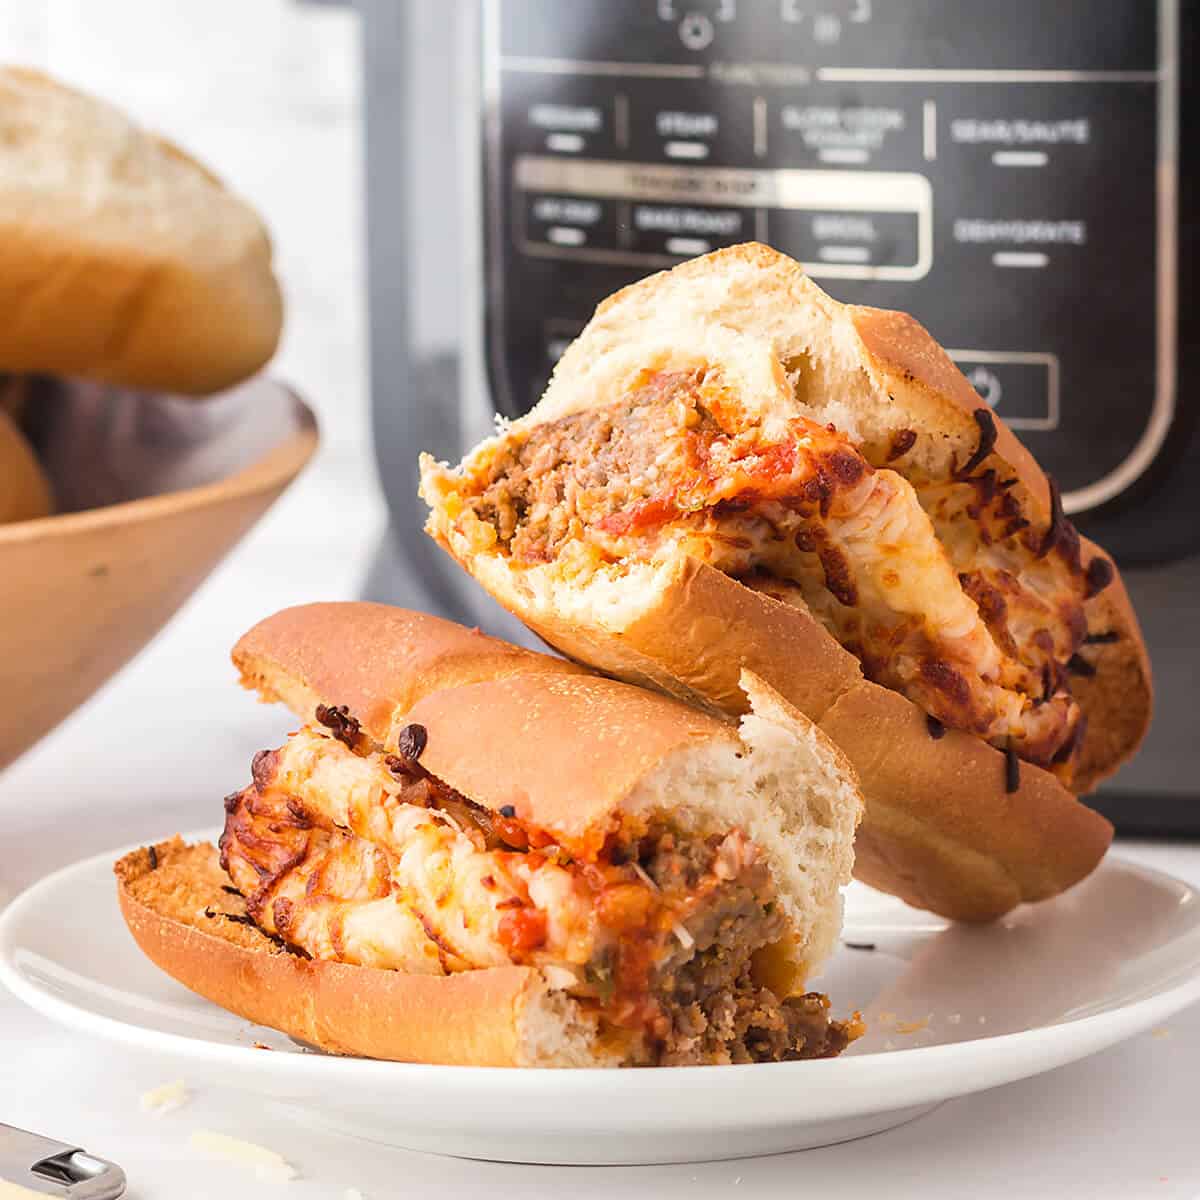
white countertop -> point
(268, 93)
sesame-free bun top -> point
(123, 259)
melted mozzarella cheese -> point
(446, 898)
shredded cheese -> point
(267, 1165)
(643, 874)
(165, 1099)
(560, 977)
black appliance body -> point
(1020, 176)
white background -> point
(268, 94)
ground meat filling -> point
(715, 1011)
(939, 586)
(544, 491)
(352, 856)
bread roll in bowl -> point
(122, 258)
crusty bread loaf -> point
(1119, 697)
(24, 488)
(687, 629)
(571, 752)
(121, 258)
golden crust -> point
(376, 659)
(1118, 700)
(565, 751)
(941, 831)
(468, 1019)
(921, 378)
(726, 628)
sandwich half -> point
(731, 471)
(471, 853)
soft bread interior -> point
(794, 795)
(553, 1031)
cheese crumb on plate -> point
(266, 1163)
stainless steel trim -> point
(573, 66)
(621, 121)
(1163, 410)
(28, 1159)
(760, 126)
(492, 189)
(929, 130)
(956, 75)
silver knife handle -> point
(57, 1169)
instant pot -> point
(1017, 175)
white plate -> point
(951, 1010)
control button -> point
(686, 231)
(987, 383)
(827, 26)
(842, 241)
(850, 134)
(569, 222)
(696, 31)
(1021, 386)
(1019, 243)
(567, 128)
(687, 126)
(686, 135)
(1021, 142)
(827, 29)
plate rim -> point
(907, 1065)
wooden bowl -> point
(152, 492)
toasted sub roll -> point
(475, 854)
(729, 470)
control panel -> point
(1006, 172)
